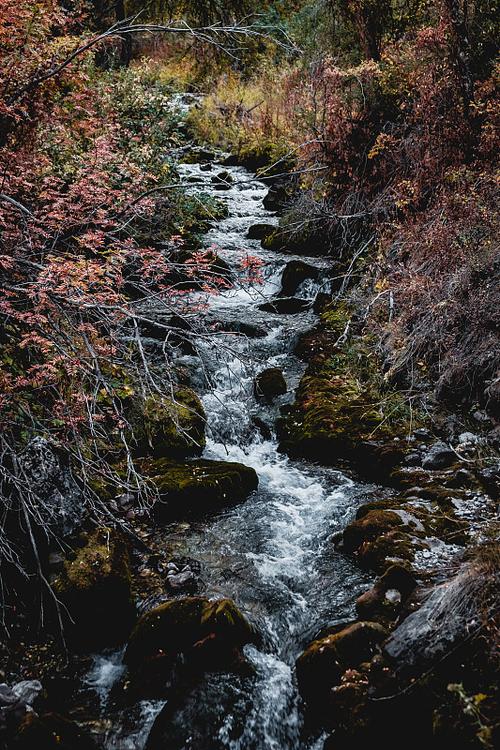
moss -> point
(393, 546)
(321, 665)
(342, 408)
(96, 589)
(171, 428)
(180, 625)
(197, 487)
(387, 530)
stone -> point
(383, 600)
(294, 273)
(197, 488)
(173, 428)
(95, 588)
(245, 329)
(270, 383)
(323, 662)
(449, 616)
(60, 503)
(260, 231)
(186, 579)
(222, 181)
(286, 306)
(439, 456)
(210, 635)
(468, 438)
(371, 526)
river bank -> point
(293, 524)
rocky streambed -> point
(305, 579)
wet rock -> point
(277, 197)
(382, 602)
(286, 306)
(468, 438)
(321, 302)
(439, 456)
(449, 616)
(61, 504)
(295, 272)
(490, 479)
(323, 662)
(16, 703)
(245, 329)
(206, 167)
(210, 635)
(260, 231)
(196, 716)
(183, 581)
(369, 527)
(263, 428)
(270, 383)
(50, 731)
(95, 587)
(222, 181)
(389, 531)
(169, 427)
(198, 487)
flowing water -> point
(272, 554)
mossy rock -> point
(197, 487)
(369, 527)
(324, 661)
(95, 587)
(169, 428)
(210, 635)
(395, 546)
(386, 531)
(294, 273)
(332, 417)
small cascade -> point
(271, 554)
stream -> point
(272, 554)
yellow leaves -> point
(383, 141)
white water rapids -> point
(272, 554)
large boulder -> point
(451, 614)
(59, 500)
(295, 272)
(197, 487)
(209, 634)
(270, 383)
(95, 589)
(173, 428)
(196, 714)
(324, 661)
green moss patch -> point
(197, 487)
(95, 587)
